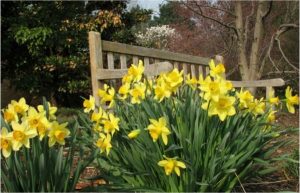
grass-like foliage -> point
(39, 153)
(171, 136)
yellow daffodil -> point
(138, 93)
(43, 127)
(20, 107)
(97, 116)
(291, 100)
(170, 165)
(38, 121)
(21, 134)
(158, 128)
(107, 95)
(5, 143)
(223, 107)
(111, 124)
(272, 99)
(97, 127)
(33, 117)
(58, 133)
(127, 79)
(192, 82)
(102, 92)
(104, 143)
(136, 71)
(257, 107)
(89, 104)
(52, 110)
(245, 98)
(174, 79)
(161, 91)
(124, 90)
(216, 71)
(9, 114)
(271, 116)
(213, 89)
(133, 134)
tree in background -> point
(45, 48)
(155, 37)
(252, 34)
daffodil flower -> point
(107, 95)
(133, 134)
(223, 107)
(161, 91)
(52, 110)
(20, 107)
(271, 116)
(192, 82)
(6, 145)
(58, 133)
(111, 124)
(291, 100)
(173, 79)
(21, 134)
(245, 98)
(136, 71)
(138, 93)
(216, 71)
(158, 128)
(104, 143)
(170, 165)
(257, 107)
(213, 89)
(272, 99)
(9, 114)
(89, 104)
(124, 90)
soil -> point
(280, 180)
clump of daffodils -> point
(23, 123)
(218, 98)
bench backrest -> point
(110, 61)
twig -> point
(259, 183)
(217, 8)
(240, 182)
(284, 56)
(200, 13)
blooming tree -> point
(155, 37)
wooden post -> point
(135, 60)
(269, 89)
(110, 65)
(95, 48)
(193, 71)
(185, 68)
(146, 61)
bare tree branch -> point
(275, 37)
(283, 72)
(265, 15)
(200, 13)
(284, 56)
(217, 8)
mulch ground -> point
(280, 180)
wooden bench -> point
(110, 61)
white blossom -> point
(156, 37)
